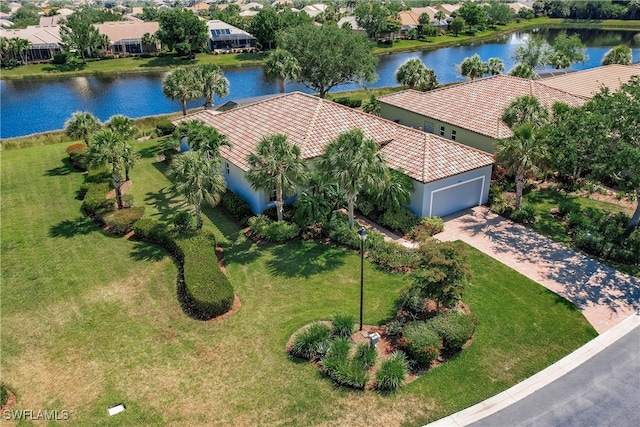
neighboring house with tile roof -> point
(589, 82)
(470, 112)
(447, 176)
(44, 41)
(126, 36)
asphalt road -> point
(603, 391)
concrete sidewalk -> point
(552, 373)
(604, 295)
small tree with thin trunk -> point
(276, 164)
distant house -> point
(126, 36)
(448, 9)
(589, 82)
(447, 176)
(472, 112)
(351, 21)
(44, 41)
(48, 21)
(314, 10)
(226, 36)
(253, 6)
(409, 21)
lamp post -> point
(363, 236)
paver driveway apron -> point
(604, 295)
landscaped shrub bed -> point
(121, 221)
(454, 328)
(421, 343)
(399, 219)
(392, 372)
(95, 202)
(235, 207)
(310, 343)
(426, 228)
(273, 231)
(77, 155)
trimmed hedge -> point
(421, 342)
(349, 102)
(121, 221)
(453, 328)
(95, 203)
(204, 289)
(77, 155)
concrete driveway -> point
(604, 295)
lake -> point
(43, 105)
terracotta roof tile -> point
(478, 105)
(588, 82)
(311, 123)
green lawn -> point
(89, 320)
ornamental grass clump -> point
(365, 355)
(342, 325)
(308, 343)
(392, 372)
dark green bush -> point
(273, 231)
(287, 214)
(349, 102)
(421, 342)
(182, 221)
(165, 127)
(426, 228)
(59, 58)
(365, 355)
(208, 292)
(342, 325)
(341, 232)
(95, 176)
(235, 207)
(392, 372)
(394, 328)
(525, 215)
(568, 206)
(152, 231)
(121, 221)
(453, 328)
(392, 256)
(4, 394)
(306, 344)
(399, 219)
(95, 202)
(412, 301)
(343, 371)
(365, 206)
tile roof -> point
(588, 82)
(36, 34)
(126, 30)
(478, 105)
(311, 123)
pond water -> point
(43, 105)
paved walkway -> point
(604, 295)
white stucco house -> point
(447, 176)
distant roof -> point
(409, 18)
(123, 30)
(352, 21)
(545, 74)
(478, 105)
(252, 5)
(314, 10)
(36, 34)
(311, 123)
(588, 82)
(428, 10)
(47, 21)
(448, 8)
(219, 28)
(235, 103)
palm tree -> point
(280, 65)
(82, 125)
(496, 66)
(525, 109)
(129, 159)
(396, 191)
(123, 125)
(203, 139)
(473, 67)
(197, 179)
(182, 84)
(440, 15)
(415, 75)
(355, 164)
(276, 164)
(109, 148)
(618, 55)
(521, 154)
(372, 106)
(523, 71)
(213, 83)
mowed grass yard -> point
(89, 320)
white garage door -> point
(457, 197)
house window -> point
(272, 197)
(441, 130)
(226, 166)
(453, 135)
(428, 127)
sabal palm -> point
(123, 125)
(213, 82)
(82, 125)
(198, 180)
(182, 84)
(440, 15)
(109, 148)
(495, 66)
(203, 139)
(525, 109)
(355, 164)
(276, 164)
(473, 67)
(521, 155)
(416, 75)
(280, 65)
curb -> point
(541, 379)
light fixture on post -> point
(363, 236)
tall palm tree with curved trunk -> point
(276, 164)
(521, 155)
(525, 109)
(473, 67)
(182, 84)
(355, 164)
(198, 180)
(82, 125)
(203, 139)
(416, 75)
(213, 82)
(280, 65)
(109, 148)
